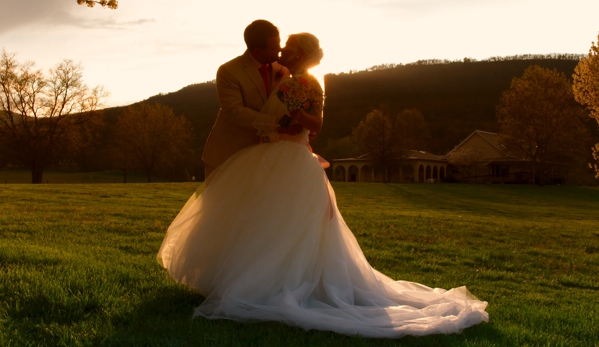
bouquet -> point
(300, 93)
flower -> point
(301, 95)
(301, 92)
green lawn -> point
(77, 264)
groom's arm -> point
(231, 99)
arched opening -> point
(352, 174)
(441, 173)
(428, 172)
(340, 174)
(435, 173)
(366, 174)
(420, 173)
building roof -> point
(412, 155)
(493, 138)
(423, 155)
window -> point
(499, 170)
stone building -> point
(500, 166)
(417, 166)
(503, 165)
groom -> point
(242, 86)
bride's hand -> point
(295, 113)
(309, 121)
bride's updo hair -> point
(311, 46)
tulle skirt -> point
(266, 242)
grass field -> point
(77, 264)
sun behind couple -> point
(265, 240)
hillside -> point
(456, 98)
(197, 102)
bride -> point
(265, 241)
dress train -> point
(266, 242)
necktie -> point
(264, 73)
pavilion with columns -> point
(501, 166)
(416, 166)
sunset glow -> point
(157, 46)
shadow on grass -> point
(36, 320)
(41, 308)
(165, 319)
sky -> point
(147, 47)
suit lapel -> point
(254, 74)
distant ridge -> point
(553, 56)
(456, 97)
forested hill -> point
(456, 98)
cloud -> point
(22, 13)
(108, 23)
(138, 22)
(19, 13)
(423, 7)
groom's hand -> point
(285, 121)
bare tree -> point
(42, 116)
(344, 147)
(413, 130)
(112, 4)
(540, 118)
(387, 138)
(377, 135)
(467, 160)
(150, 137)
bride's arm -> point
(309, 121)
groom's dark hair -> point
(258, 32)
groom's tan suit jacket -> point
(241, 95)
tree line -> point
(539, 116)
(53, 118)
(552, 56)
(534, 118)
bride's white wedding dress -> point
(265, 242)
